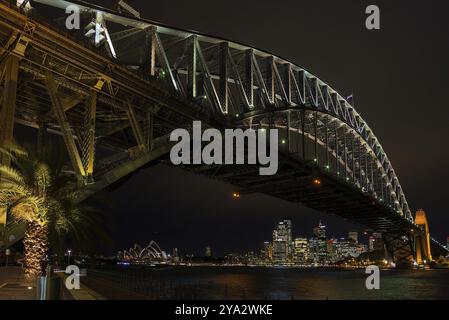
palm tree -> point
(23, 192)
(42, 195)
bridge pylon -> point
(422, 239)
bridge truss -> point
(114, 101)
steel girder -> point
(238, 80)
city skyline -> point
(282, 232)
(284, 249)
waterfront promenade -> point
(15, 286)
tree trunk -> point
(36, 249)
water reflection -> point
(275, 284)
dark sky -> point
(399, 76)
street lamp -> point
(68, 256)
(7, 254)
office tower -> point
(301, 250)
(346, 248)
(279, 251)
(318, 245)
(266, 253)
(282, 240)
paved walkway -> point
(15, 286)
(84, 293)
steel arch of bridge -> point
(245, 83)
(128, 105)
(241, 81)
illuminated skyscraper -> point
(279, 251)
(282, 241)
(267, 251)
(346, 248)
(301, 250)
(318, 245)
(331, 250)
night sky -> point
(399, 76)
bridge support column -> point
(11, 75)
(422, 239)
(8, 104)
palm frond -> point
(14, 151)
(14, 188)
(11, 174)
(42, 177)
(31, 208)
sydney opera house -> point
(152, 253)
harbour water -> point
(269, 283)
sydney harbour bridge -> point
(115, 88)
